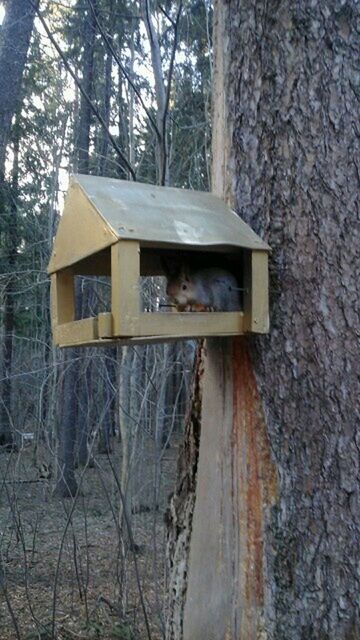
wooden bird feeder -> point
(121, 229)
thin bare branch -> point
(115, 55)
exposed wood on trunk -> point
(235, 485)
(180, 513)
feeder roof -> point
(100, 211)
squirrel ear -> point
(185, 273)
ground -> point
(67, 561)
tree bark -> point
(179, 516)
(286, 154)
(293, 107)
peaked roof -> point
(100, 211)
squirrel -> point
(207, 289)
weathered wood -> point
(256, 294)
(236, 484)
(105, 325)
(192, 324)
(62, 295)
(82, 231)
(76, 333)
(125, 296)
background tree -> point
(16, 28)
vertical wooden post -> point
(256, 281)
(62, 294)
(125, 296)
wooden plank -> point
(76, 333)
(125, 297)
(121, 342)
(82, 230)
(160, 327)
(260, 287)
(62, 296)
(181, 325)
(105, 325)
(256, 299)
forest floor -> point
(68, 572)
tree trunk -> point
(285, 108)
(14, 43)
(179, 516)
(293, 105)
(66, 484)
(162, 160)
(7, 436)
(83, 132)
(16, 28)
(104, 138)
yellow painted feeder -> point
(122, 229)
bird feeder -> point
(122, 229)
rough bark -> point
(286, 153)
(179, 515)
(293, 110)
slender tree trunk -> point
(160, 94)
(104, 146)
(16, 28)
(179, 516)
(66, 484)
(83, 131)
(7, 436)
(14, 43)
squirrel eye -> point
(184, 287)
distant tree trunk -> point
(84, 393)
(106, 425)
(160, 94)
(14, 43)
(104, 139)
(85, 115)
(66, 484)
(7, 437)
(284, 141)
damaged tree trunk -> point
(274, 548)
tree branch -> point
(122, 68)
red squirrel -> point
(206, 289)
